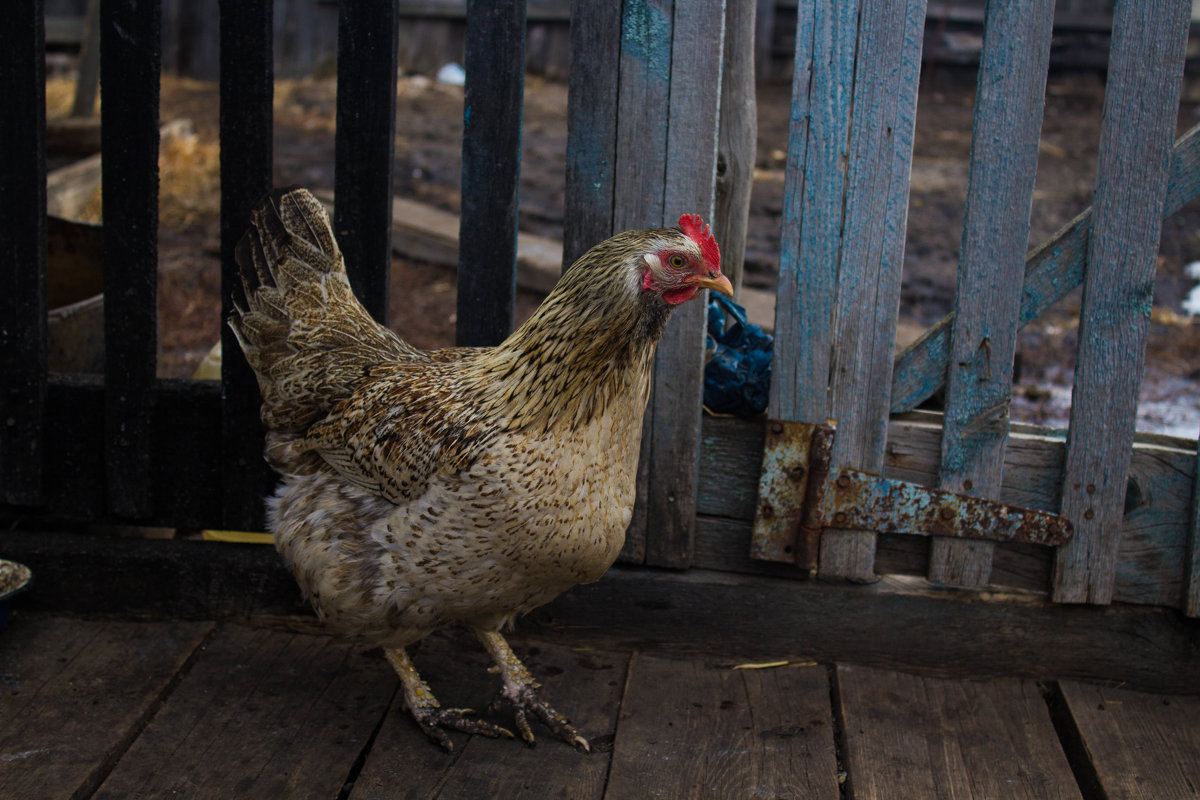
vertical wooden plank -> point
(23, 255)
(814, 197)
(881, 139)
(363, 148)
(643, 96)
(247, 90)
(691, 730)
(909, 736)
(492, 100)
(1191, 555)
(675, 404)
(130, 44)
(1144, 76)
(1004, 152)
(594, 55)
(737, 140)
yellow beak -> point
(718, 284)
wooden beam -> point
(1145, 77)
(983, 342)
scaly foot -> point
(519, 688)
(427, 711)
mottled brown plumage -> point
(458, 486)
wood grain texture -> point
(911, 736)
(292, 713)
(594, 57)
(675, 402)
(491, 167)
(1145, 74)
(23, 349)
(814, 198)
(1052, 269)
(886, 76)
(363, 148)
(247, 88)
(77, 693)
(130, 41)
(643, 97)
(737, 139)
(1191, 575)
(691, 729)
(1004, 150)
(1138, 745)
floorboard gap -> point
(839, 733)
(1072, 743)
(94, 781)
(361, 760)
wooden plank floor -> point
(121, 709)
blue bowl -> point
(14, 579)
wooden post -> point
(365, 142)
(1004, 152)
(594, 54)
(1140, 106)
(737, 140)
(23, 257)
(881, 140)
(247, 89)
(492, 98)
(130, 39)
(1191, 555)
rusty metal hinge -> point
(799, 496)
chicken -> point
(463, 486)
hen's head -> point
(685, 262)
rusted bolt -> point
(1091, 488)
(839, 517)
(843, 482)
(1054, 528)
(796, 473)
(946, 513)
(1089, 514)
(968, 484)
(776, 427)
(767, 511)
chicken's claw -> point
(434, 720)
(519, 689)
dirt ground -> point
(428, 144)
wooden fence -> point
(127, 447)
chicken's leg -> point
(519, 689)
(427, 711)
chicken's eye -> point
(676, 261)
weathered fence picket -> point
(882, 123)
(23, 258)
(247, 89)
(1145, 77)
(492, 98)
(1004, 152)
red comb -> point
(701, 234)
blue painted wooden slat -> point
(1191, 557)
(1144, 79)
(643, 95)
(881, 139)
(1004, 153)
(814, 197)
